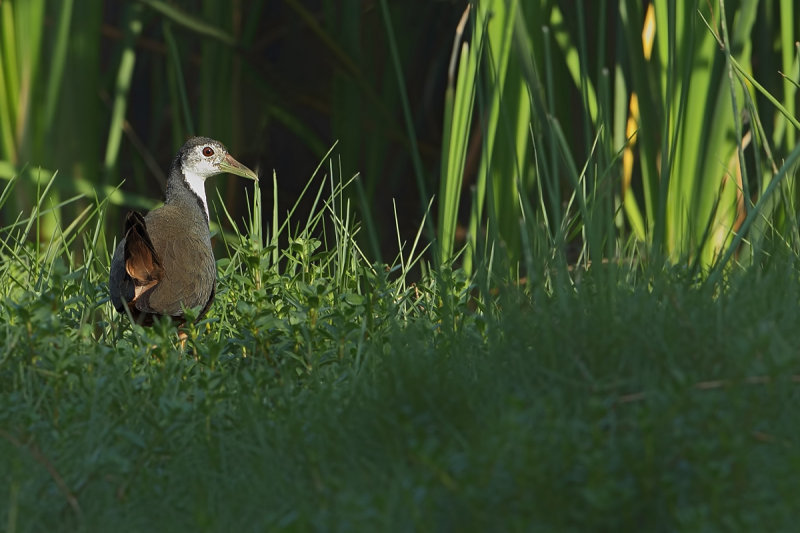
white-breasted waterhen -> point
(164, 262)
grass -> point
(612, 346)
(329, 394)
(651, 129)
(622, 127)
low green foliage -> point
(614, 349)
(317, 396)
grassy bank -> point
(317, 395)
(592, 326)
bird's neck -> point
(185, 187)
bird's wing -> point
(187, 263)
(142, 263)
(120, 285)
(182, 286)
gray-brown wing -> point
(135, 266)
(188, 262)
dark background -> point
(302, 76)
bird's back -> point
(187, 259)
(190, 272)
(164, 262)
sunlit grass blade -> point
(459, 100)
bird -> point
(164, 262)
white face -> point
(200, 158)
(200, 163)
(203, 160)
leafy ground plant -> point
(332, 393)
(499, 389)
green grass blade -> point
(187, 20)
(133, 27)
(180, 83)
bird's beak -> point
(232, 166)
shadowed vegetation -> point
(545, 278)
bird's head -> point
(203, 157)
(197, 160)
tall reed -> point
(643, 129)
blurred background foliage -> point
(107, 91)
(572, 130)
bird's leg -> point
(182, 336)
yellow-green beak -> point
(232, 166)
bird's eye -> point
(208, 151)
